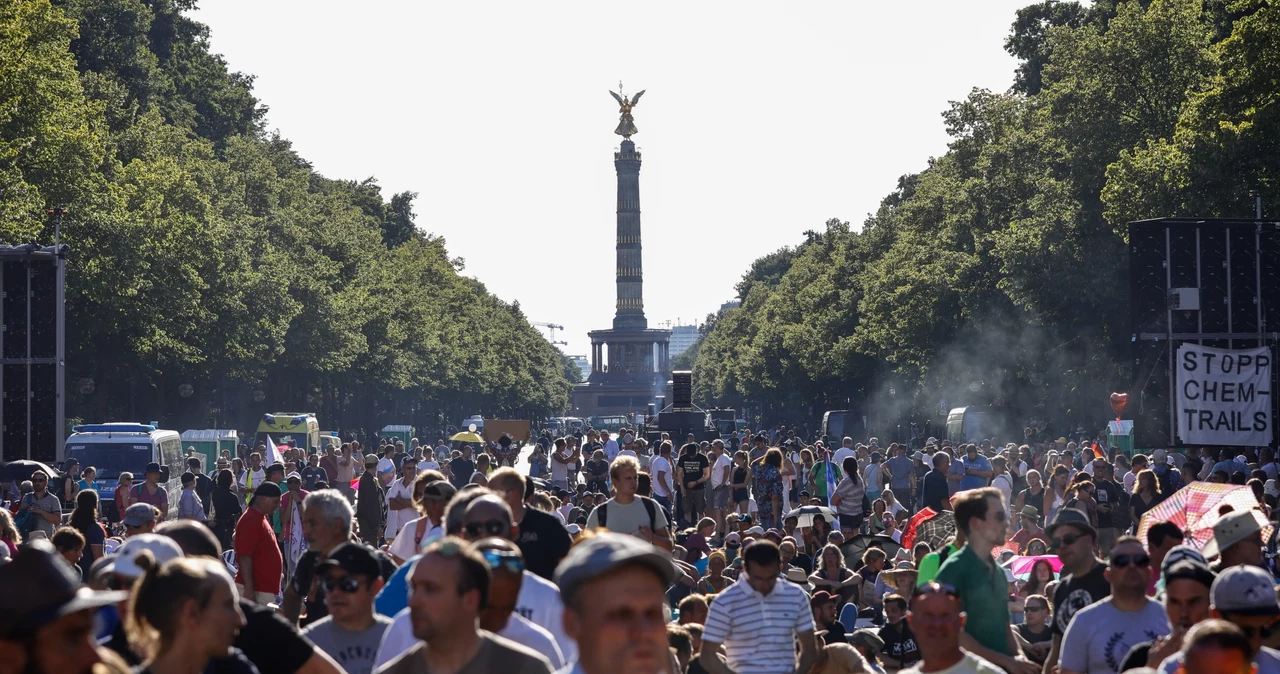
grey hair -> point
(332, 506)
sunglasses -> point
(1141, 559)
(936, 588)
(511, 561)
(1265, 631)
(488, 528)
(347, 584)
(1068, 539)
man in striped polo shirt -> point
(759, 620)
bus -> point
(295, 429)
(114, 448)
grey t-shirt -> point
(48, 504)
(901, 466)
(627, 519)
(1101, 635)
(495, 655)
(355, 651)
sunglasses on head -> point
(347, 584)
(1141, 559)
(488, 528)
(511, 561)
(935, 588)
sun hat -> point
(1231, 529)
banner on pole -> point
(1224, 395)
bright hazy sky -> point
(760, 121)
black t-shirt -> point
(460, 471)
(835, 633)
(270, 642)
(1034, 638)
(936, 493)
(543, 541)
(313, 474)
(1113, 495)
(204, 486)
(900, 647)
(693, 466)
(803, 561)
(1074, 594)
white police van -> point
(115, 448)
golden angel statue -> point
(626, 125)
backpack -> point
(25, 520)
(650, 506)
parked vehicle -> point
(114, 448)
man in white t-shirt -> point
(386, 467)
(252, 477)
(721, 484)
(561, 457)
(663, 474)
(845, 451)
(611, 448)
(400, 507)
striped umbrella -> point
(1194, 509)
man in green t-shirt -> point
(983, 587)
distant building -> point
(584, 365)
(731, 304)
(683, 337)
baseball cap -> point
(38, 588)
(1244, 590)
(370, 459)
(268, 490)
(1231, 529)
(353, 558)
(1189, 569)
(745, 518)
(1181, 553)
(440, 490)
(732, 540)
(821, 597)
(1159, 456)
(1071, 517)
(867, 638)
(139, 514)
(293, 476)
(756, 531)
(162, 548)
(607, 552)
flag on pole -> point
(831, 479)
(273, 455)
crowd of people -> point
(610, 554)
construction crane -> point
(551, 328)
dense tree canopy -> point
(206, 252)
(998, 273)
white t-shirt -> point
(424, 466)
(385, 466)
(395, 518)
(840, 455)
(661, 487)
(969, 664)
(1129, 478)
(1100, 635)
(611, 450)
(525, 633)
(259, 476)
(628, 452)
(559, 471)
(403, 546)
(719, 477)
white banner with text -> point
(1224, 395)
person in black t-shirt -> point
(1084, 579)
(694, 470)
(1036, 631)
(900, 648)
(936, 493)
(543, 539)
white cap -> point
(162, 548)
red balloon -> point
(1119, 401)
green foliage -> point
(207, 252)
(998, 273)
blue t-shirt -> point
(901, 467)
(974, 481)
(955, 469)
(394, 595)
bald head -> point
(487, 516)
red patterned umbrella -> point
(931, 527)
(1194, 509)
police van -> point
(115, 448)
